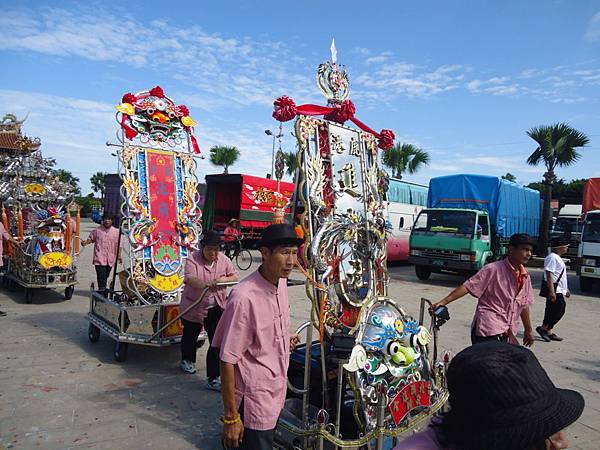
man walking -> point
(555, 288)
(106, 242)
(204, 269)
(254, 341)
(505, 294)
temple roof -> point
(12, 139)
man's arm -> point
(550, 282)
(457, 293)
(232, 432)
(528, 339)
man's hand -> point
(233, 434)
(528, 338)
(294, 341)
(436, 306)
(552, 296)
(211, 285)
(568, 294)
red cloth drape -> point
(286, 109)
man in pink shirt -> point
(505, 294)
(203, 269)
(4, 235)
(106, 246)
(254, 341)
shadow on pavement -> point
(149, 386)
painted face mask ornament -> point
(390, 352)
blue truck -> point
(468, 222)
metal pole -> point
(338, 412)
(273, 157)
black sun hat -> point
(559, 242)
(521, 239)
(502, 399)
(211, 238)
(279, 234)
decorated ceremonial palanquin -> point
(384, 381)
(35, 212)
(160, 222)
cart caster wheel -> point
(28, 295)
(69, 292)
(121, 351)
(93, 333)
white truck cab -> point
(589, 251)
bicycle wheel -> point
(243, 259)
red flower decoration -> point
(285, 109)
(184, 110)
(386, 139)
(129, 98)
(157, 92)
(342, 113)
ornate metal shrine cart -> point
(372, 375)
(34, 211)
(160, 223)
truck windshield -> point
(591, 229)
(445, 221)
(568, 225)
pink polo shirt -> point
(253, 334)
(105, 245)
(197, 267)
(3, 235)
(500, 299)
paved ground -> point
(59, 391)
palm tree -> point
(97, 182)
(67, 177)
(224, 156)
(291, 163)
(510, 177)
(557, 146)
(405, 158)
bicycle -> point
(241, 256)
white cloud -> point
(74, 132)
(238, 71)
(391, 79)
(593, 29)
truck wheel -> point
(585, 284)
(423, 273)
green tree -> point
(404, 158)
(67, 177)
(557, 147)
(291, 163)
(510, 177)
(97, 182)
(224, 156)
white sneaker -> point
(214, 385)
(187, 366)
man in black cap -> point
(255, 342)
(500, 399)
(555, 288)
(505, 294)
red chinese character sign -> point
(160, 186)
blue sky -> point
(463, 80)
